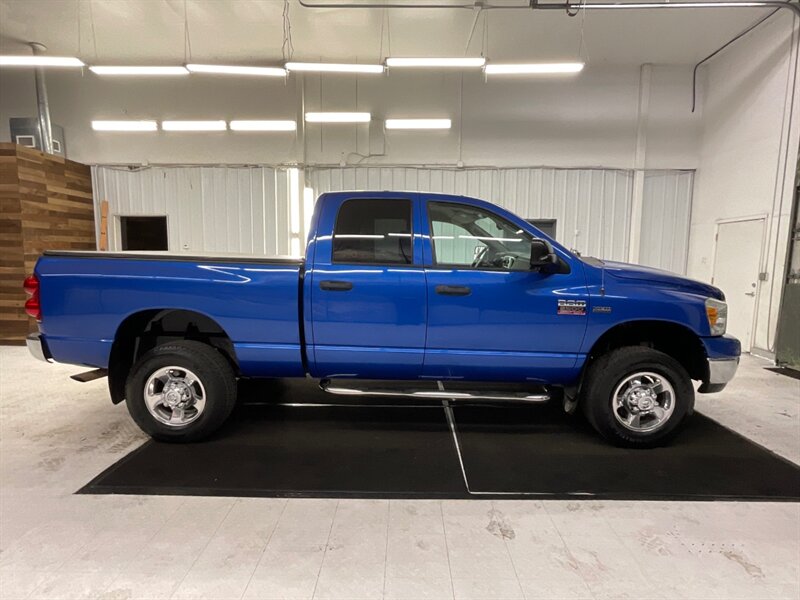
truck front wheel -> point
(636, 396)
(181, 391)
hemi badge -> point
(601, 309)
(572, 307)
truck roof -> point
(382, 194)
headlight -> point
(717, 313)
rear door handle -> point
(453, 290)
(336, 286)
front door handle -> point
(453, 290)
(336, 286)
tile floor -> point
(55, 435)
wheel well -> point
(144, 330)
(679, 342)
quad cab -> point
(399, 294)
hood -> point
(658, 277)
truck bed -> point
(169, 256)
(87, 296)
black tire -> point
(610, 370)
(212, 370)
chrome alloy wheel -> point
(643, 402)
(174, 396)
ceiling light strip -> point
(334, 68)
(138, 70)
(242, 125)
(194, 125)
(462, 63)
(237, 70)
(418, 123)
(338, 117)
(40, 61)
(124, 125)
(533, 68)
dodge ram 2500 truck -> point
(399, 294)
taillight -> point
(32, 305)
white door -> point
(736, 265)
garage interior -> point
(668, 136)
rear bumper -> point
(723, 361)
(38, 347)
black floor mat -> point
(533, 449)
(407, 451)
(789, 372)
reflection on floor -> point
(55, 435)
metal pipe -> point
(569, 7)
(720, 49)
(468, 6)
(576, 6)
(42, 104)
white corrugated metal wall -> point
(209, 209)
(250, 209)
(666, 218)
(592, 207)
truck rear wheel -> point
(181, 391)
(636, 396)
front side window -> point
(376, 232)
(472, 237)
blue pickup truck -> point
(400, 294)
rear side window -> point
(376, 232)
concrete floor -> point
(56, 435)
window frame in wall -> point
(543, 225)
(123, 220)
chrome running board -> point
(440, 394)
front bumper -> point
(720, 372)
(38, 347)
(723, 360)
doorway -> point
(737, 262)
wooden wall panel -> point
(45, 204)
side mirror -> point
(542, 256)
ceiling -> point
(252, 32)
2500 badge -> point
(572, 307)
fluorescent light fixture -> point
(359, 236)
(533, 68)
(465, 62)
(138, 70)
(263, 126)
(418, 123)
(40, 61)
(295, 200)
(124, 125)
(338, 117)
(308, 208)
(194, 125)
(238, 70)
(334, 67)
